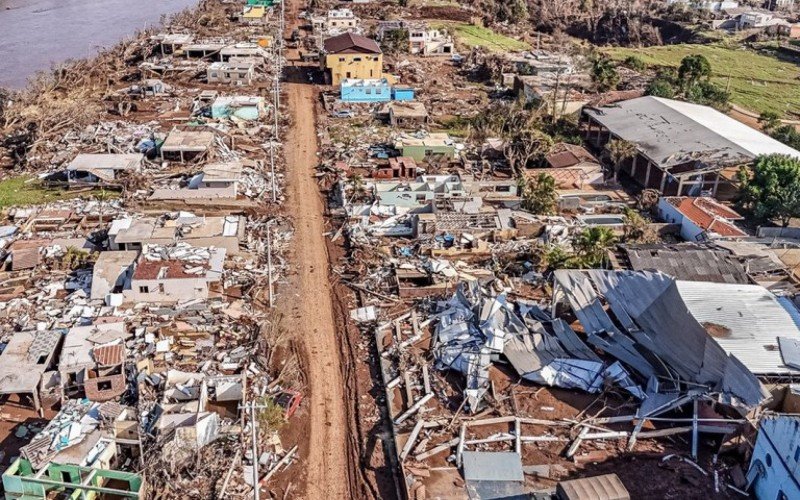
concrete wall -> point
(167, 290)
(689, 230)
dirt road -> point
(327, 462)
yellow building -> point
(254, 13)
(351, 56)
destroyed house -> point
(187, 143)
(700, 218)
(399, 167)
(220, 232)
(92, 362)
(714, 334)
(201, 50)
(221, 176)
(253, 14)
(241, 107)
(101, 168)
(683, 148)
(170, 43)
(244, 50)
(775, 461)
(111, 274)
(407, 114)
(423, 191)
(25, 359)
(176, 273)
(231, 72)
(371, 90)
(21, 480)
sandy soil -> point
(327, 464)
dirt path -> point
(312, 315)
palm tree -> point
(619, 150)
(592, 245)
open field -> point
(25, 190)
(477, 36)
(757, 82)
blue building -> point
(775, 466)
(402, 93)
(371, 90)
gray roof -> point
(492, 466)
(672, 132)
(686, 262)
(753, 318)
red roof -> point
(708, 214)
(109, 355)
(351, 43)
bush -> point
(635, 63)
(661, 87)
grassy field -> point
(25, 190)
(475, 36)
(757, 82)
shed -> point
(402, 93)
(493, 474)
(605, 487)
(407, 114)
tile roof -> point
(352, 43)
(708, 214)
(109, 355)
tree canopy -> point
(604, 74)
(773, 189)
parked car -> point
(343, 113)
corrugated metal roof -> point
(605, 487)
(753, 317)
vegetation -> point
(691, 82)
(592, 245)
(755, 81)
(769, 121)
(25, 190)
(395, 42)
(637, 229)
(271, 416)
(478, 36)
(604, 74)
(635, 63)
(76, 258)
(773, 189)
(539, 195)
(521, 131)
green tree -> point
(708, 94)
(592, 245)
(618, 151)
(539, 194)
(769, 121)
(693, 68)
(637, 229)
(604, 74)
(661, 87)
(395, 42)
(773, 189)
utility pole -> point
(269, 261)
(254, 434)
(272, 166)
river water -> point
(35, 34)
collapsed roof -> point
(658, 336)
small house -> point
(170, 43)
(254, 14)
(112, 273)
(186, 143)
(221, 175)
(241, 107)
(431, 146)
(231, 72)
(224, 232)
(203, 50)
(365, 90)
(407, 114)
(101, 168)
(401, 167)
(430, 42)
(175, 273)
(243, 51)
(700, 218)
(92, 360)
(402, 93)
